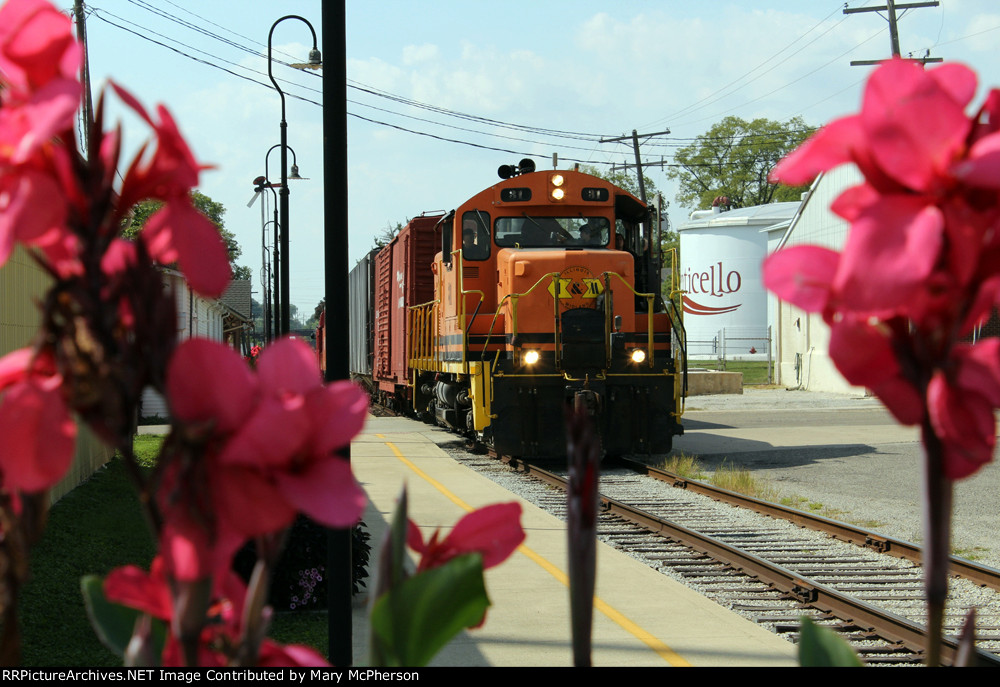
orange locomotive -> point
(538, 292)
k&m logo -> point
(576, 287)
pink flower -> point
(153, 593)
(921, 264)
(32, 209)
(961, 400)
(493, 531)
(39, 435)
(270, 441)
(36, 45)
(177, 232)
(26, 126)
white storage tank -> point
(725, 304)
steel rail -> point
(886, 625)
(979, 574)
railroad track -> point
(773, 566)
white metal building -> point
(197, 316)
(803, 338)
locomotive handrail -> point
(677, 322)
(513, 299)
(423, 326)
(462, 291)
(650, 297)
(678, 327)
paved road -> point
(846, 453)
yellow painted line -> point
(664, 651)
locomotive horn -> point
(506, 171)
(526, 166)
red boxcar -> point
(402, 280)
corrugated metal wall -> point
(22, 287)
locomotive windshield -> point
(552, 232)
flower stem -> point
(937, 538)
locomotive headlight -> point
(531, 357)
(638, 356)
(556, 190)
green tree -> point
(142, 211)
(313, 321)
(733, 159)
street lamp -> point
(265, 277)
(259, 184)
(314, 60)
(281, 307)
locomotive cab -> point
(546, 293)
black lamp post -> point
(281, 293)
(265, 276)
(314, 59)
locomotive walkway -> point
(641, 618)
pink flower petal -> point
(209, 381)
(801, 275)
(39, 437)
(891, 250)
(36, 44)
(177, 231)
(273, 655)
(249, 504)
(831, 146)
(982, 166)
(133, 587)
(495, 531)
(979, 369)
(337, 413)
(964, 423)
(913, 126)
(326, 491)
(289, 365)
(274, 433)
(956, 80)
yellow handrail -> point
(650, 298)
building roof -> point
(757, 215)
(237, 298)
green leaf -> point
(822, 647)
(416, 619)
(114, 623)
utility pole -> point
(638, 161)
(890, 10)
(650, 259)
(88, 105)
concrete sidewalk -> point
(643, 618)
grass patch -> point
(973, 554)
(146, 448)
(742, 482)
(684, 465)
(93, 529)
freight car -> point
(540, 291)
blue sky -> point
(566, 72)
